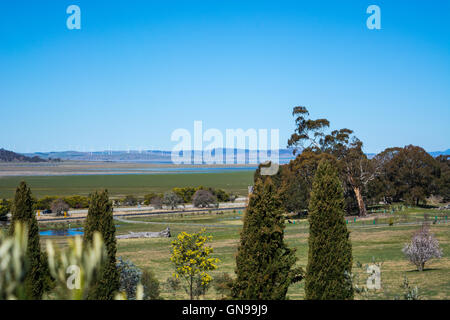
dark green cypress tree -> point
(100, 218)
(37, 278)
(264, 263)
(330, 249)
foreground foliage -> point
(14, 265)
(77, 268)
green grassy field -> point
(124, 184)
(382, 243)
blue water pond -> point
(70, 232)
(67, 232)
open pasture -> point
(120, 185)
(380, 242)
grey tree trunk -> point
(360, 200)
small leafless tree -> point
(156, 202)
(171, 199)
(423, 247)
(58, 206)
(203, 198)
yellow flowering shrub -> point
(192, 261)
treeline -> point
(76, 202)
(409, 174)
(175, 196)
(54, 203)
(406, 174)
(184, 195)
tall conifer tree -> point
(264, 263)
(100, 218)
(37, 278)
(330, 250)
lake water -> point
(179, 169)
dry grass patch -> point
(225, 243)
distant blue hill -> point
(440, 153)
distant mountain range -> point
(10, 156)
(151, 156)
(434, 154)
(440, 153)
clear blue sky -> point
(137, 70)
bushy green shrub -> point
(173, 285)
(130, 277)
(130, 200)
(77, 202)
(44, 203)
(221, 195)
(151, 285)
(409, 292)
(223, 283)
(185, 193)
